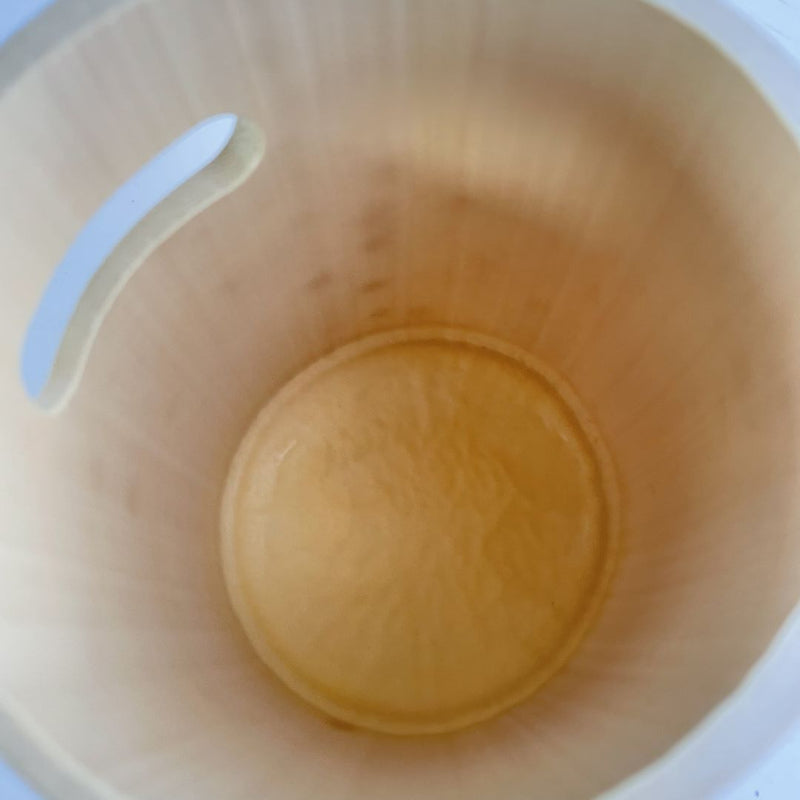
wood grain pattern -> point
(574, 178)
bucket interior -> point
(595, 186)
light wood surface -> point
(577, 179)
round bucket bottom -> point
(418, 530)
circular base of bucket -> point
(418, 529)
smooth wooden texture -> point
(226, 170)
(575, 178)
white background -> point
(777, 776)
